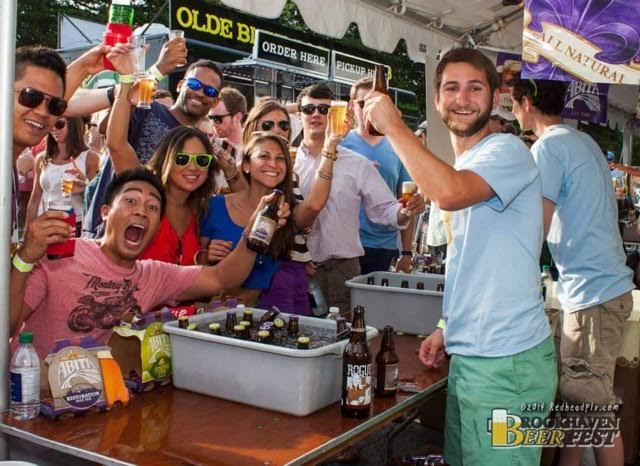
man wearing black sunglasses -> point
(334, 241)
(227, 116)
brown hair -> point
(75, 141)
(472, 57)
(260, 109)
(362, 83)
(284, 236)
(162, 161)
(233, 100)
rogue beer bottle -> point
(387, 365)
(265, 226)
(356, 370)
(380, 85)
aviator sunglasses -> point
(309, 109)
(32, 98)
(267, 125)
(182, 159)
(195, 85)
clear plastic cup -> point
(137, 54)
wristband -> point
(125, 78)
(20, 265)
(233, 178)
(406, 253)
(442, 324)
(156, 73)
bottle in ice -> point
(379, 85)
(265, 226)
(25, 380)
(356, 370)
(387, 365)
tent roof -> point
(427, 26)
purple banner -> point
(586, 40)
(586, 102)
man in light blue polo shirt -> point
(380, 242)
(580, 216)
(503, 359)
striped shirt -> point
(336, 232)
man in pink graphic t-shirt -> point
(86, 294)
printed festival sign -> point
(597, 42)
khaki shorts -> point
(589, 347)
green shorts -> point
(523, 384)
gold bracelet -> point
(233, 178)
(324, 175)
(330, 155)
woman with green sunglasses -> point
(184, 161)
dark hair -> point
(472, 57)
(233, 100)
(135, 174)
(315, 91)
(204, 63)
(547, 96)
(362, 83)
(284, 237)
(161, 94)
(42, 57)
(161, 163)
(75, 141)
(260, 109)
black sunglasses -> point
(309, 109)
(182, 159)
(32, 98)
(267, 125)
(195, 85)
(217, 119)
(59, 124)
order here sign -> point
(293, 53)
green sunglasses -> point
(182, 159)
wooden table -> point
(169, 426)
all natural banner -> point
(592, 41)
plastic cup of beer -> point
(145, 91)
(66, 249)
(338, 114)
(137, 54)
(67, 183)
(409, 189)
(176, 34)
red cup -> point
(113, 38)
(68, 248)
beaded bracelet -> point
(324, 175)
(330, 155)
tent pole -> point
(7, 50)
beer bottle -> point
(387, 365)
(265, 226)
(269, 315)
(384, 282)
(293, 326)
(371, 280)
(214, 328)
(183, 321)
(440, 287)
(420, 286)
(404, 284)
(247, 315)
(303, 342)
(231, 322)
(356, 370)
(380, 85)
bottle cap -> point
(25, 338)
(214, 326)
(245, 323)
(334, 310)
(241, 306)
(263, 334)
(304, 340)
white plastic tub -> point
(291, 381)
(408, 310)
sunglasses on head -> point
(195, 85)
(182, 159)
(32, 98)
(309, 109)
(59, 124)
(267, 125)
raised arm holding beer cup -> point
(493, 319)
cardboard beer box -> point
(74, 379)
(143, 351)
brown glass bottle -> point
(265, 226)
(379, 85)
(420, 286)
(387, 365)
(371, 280)
(356, 370)
(404, 284)
(231, 322)
(293, 327)
(268, 316)
(384, 282)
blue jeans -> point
(377, 260)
